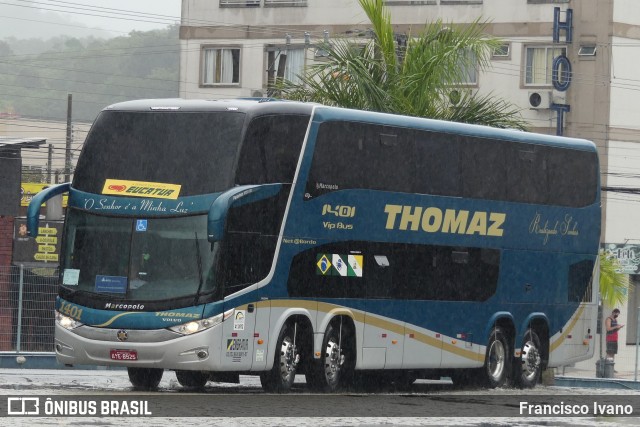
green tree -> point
(419, 76)
(614, 285)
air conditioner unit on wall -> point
(540, 99)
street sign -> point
(43, 249)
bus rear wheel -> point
(285, 365)
(338, 357)
(192, 379)
(497, 359)
(528, 367)
(145, 378)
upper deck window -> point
(271, 149)
(193, 149)
(371, 156)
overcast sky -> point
(78, 18)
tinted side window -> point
(397, 271)
(527, 173)
(483, 173)
(271, 149)
(579, 281)
(442, 273)
(247, 251)
(573, 177)
(438, 163)
(363, 155)
(359, 155)
(317, 272)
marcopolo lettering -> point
(435, 220)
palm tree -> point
(613, 284)
(420, 78)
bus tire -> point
(285, 365)
(192, 379)
(338, 357)
(528, 367)
(145, 378)
(497, 359)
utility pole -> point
(49, 163)
(67, 151)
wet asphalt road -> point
(233, 404)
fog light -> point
(202, 354)
(58, 348)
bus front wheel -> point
(145, 378)
(528, 367)
(192, 379)
(497, 359)
(285, 365)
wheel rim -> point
(288, 361)
(333, 361)
(530, 360)
(497, 360)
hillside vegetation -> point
(97, 72)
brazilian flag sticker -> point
(324, 265)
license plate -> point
(124, 355)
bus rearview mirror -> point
(238, 196)
(33, 211)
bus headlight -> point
(201, 325)
(66, 321)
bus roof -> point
(325, 113)
(191, 105)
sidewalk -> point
(581, 376)
(583, 372)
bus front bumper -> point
(159, 348)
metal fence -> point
(27, 300)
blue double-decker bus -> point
(219, 238)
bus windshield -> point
(193, 149)
(151, 260)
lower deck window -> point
(395, 271)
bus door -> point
(241, 268)
(238, 339)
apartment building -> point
(232, 48)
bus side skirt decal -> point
(359, 317)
